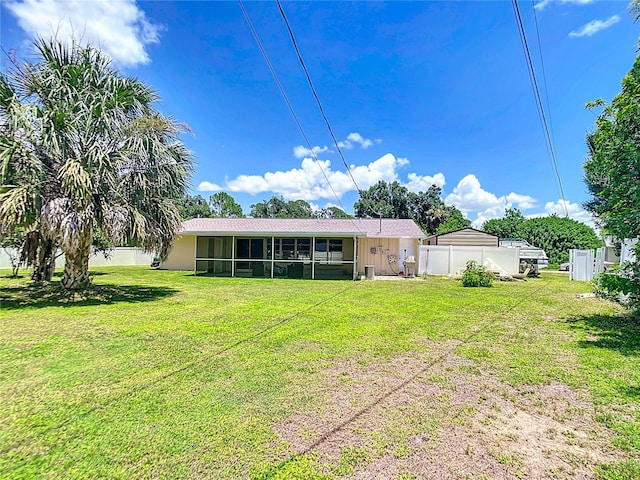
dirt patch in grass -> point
(440, 416)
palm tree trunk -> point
(40, 252)
(76, 267)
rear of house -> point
(293, 248)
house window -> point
(292, 248)
(328, 249)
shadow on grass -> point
(614, 332)
(53, 295)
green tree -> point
(388, 200)
(454, 220)
(278, 207)
(82, 148)
(224, 205)
(612, 170)
(507, 226)
(557, 235)
(193, 207)
(12, 245)
(332, 212)
(392, 200)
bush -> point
(476, 275)
(621, 284)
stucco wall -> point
(181, 256)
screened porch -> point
(276, 256)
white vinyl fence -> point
(118, 257)
(626, 253)
(581, 265)
(447, 260)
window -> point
(328, 249)
(292, 248)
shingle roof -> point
(361, 227)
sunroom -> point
(276, 256)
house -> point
(464, 237)
(293, 248)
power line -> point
(290, 106)
(315, 95)
(544, 75)
(286, 99)
(536, 91)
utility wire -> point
(536, 91)
(544, 75)
(286, 99)
(290, 106)
(315, 95)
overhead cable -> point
(315, 94)
(289, 105)
(536, 91)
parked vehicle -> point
(531, 257)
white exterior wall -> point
(447, 260)
(183, 254)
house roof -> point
(359, 227)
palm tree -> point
(82, 149)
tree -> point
(224, 205)
(332, 212)
(83, 148)
(193, 207)
(392, 200)
(388, 200)
(278, 207)
(557, 235)
(612, 170)
(12, 246)
(454, 220)
(506, 227)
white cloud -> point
(208, 187)
(543, 3)
(309, 183)
(594, 26)
(421, 183)
(471, 199)
(355, 137)
(118, 27)
(301, 151)
(523, 202)
(574, 210)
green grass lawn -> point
(156, 374)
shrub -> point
(621, 284)
(475, 275)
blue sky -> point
(419, 92)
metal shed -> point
(465, 237)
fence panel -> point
(446, 260)
(118, 257)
